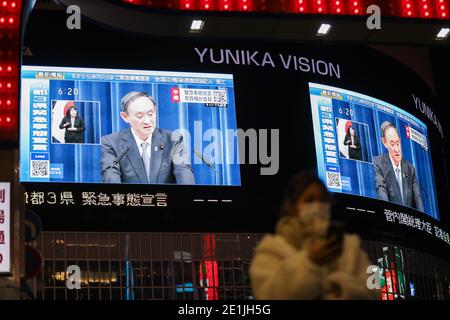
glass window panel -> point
(147, 294)
(93, 239)
(115, 294)
(146, 274)
(157, 294)
(114, 245)
(48, 294)
(94, 294)
(70, 246)
(60, 294)
(81, 245)
(157, 275)
(156, 247)
(105, 294)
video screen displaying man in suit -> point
(395, 177)
(143, 153)
(401, 144)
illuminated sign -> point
(66, 198)
(421, 9)
(5, 241)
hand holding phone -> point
(327, 249)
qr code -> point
(220, 96)
(40, 169)
(333, 179)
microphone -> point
(117, 160)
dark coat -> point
(130, 169)
(73, 136)
(354, 153)
(387, 185)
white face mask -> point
(315, 217)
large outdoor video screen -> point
(83, 125)
(368, 147)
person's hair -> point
(385, 126)
(296, 187)
(133, 95)
(70, 109)
(347, 133)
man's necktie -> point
(397, 174)
(146, 159)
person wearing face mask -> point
(304, 260)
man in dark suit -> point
(395, 178)
(144, 153)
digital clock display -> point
(68, 91)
